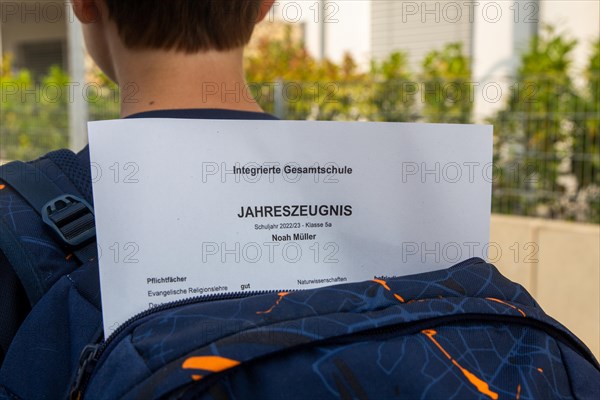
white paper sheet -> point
(175, 221)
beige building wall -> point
(559, 264)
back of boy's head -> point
(184, 25)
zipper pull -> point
(87, 362)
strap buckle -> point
(72, 218)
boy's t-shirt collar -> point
(203, 113)
(190, 113)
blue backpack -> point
(464, 332)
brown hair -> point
(184, 25)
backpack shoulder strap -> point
(65, 218)
(69, 216)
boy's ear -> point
(264, 9)
(86, 11)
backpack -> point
(463, 332)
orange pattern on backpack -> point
(386, 287)
(507, 304)
(208, 363)
(281, 296)
(481, 385)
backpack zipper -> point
(91, 354)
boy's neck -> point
(160, 80)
